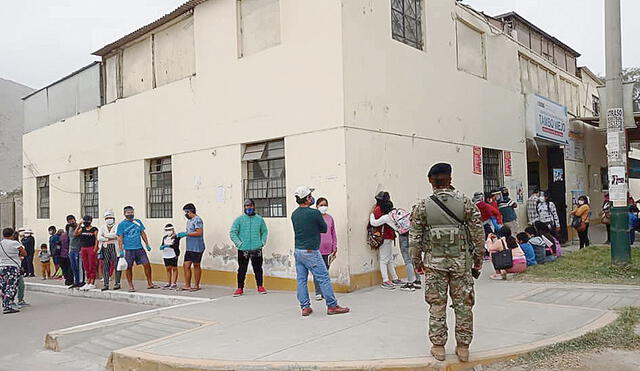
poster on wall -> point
(507, 163)
(575, 148)
(477, 160)
(517, 185)
(618, 185)
(558, 175)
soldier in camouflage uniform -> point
(447, 251)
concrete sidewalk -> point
(385, 330)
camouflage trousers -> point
(459, 285)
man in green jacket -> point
(249, 234)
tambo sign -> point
(547, 120)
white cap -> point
(28, 231)
(303, 191)
(109, 214)
(21, 229)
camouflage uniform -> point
(446, 273)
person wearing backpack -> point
(447, 229)
(379, 217)
(507, 208)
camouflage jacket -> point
(419, 236)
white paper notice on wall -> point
(613, 146)
(618, 185)
(220, 193)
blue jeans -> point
(74, 257)
(311, 261)
(406, 256)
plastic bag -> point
(122, 265)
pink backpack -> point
(401, 218)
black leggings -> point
(65, 265)
(584, 237)
(255, 256)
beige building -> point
(226, 99)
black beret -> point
(439, 169)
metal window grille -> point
(43, 197)
(159, 193)
(90, 193)
(406, 22)
(266, 178)
(492, 169)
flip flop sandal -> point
(194, 289)
(132, 290)
(153, 287)
(183, 289)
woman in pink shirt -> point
(502, 241)
(328, 241)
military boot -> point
(437, 351)
(462, 351)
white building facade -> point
(224, 99)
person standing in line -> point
(582, 211)
(308, 224)
(379, 218)
(108, 242)
(88, 236)
(605, 216)
(195, 247)
(547, 213)
(507, 208)
(328, 241)
(633, 223)
(10, 253)
(129, 232)
(249, 234)
(436, 221)
(65, 264)
(54, 250)
(74, 252)
(45, 260)
(21, 286)
(170, 247)
(488, 214)
(532, 207)
(29, 243)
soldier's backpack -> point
(447, 231)
(374, 236)
(401, 219)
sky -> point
(44, 40)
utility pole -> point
(616, 136)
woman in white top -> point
(10, 253)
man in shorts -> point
(195, 247)
(129, 232)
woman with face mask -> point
(548, 214)
(328, 241)
(582, 211)
(108, 240)
(170, 247)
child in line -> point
(527, 248)
(170, 248)
(45, 258)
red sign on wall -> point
(507, 163)
(477, 160)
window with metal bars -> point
(159, 192)
(406, 22)
(265, 182)
(492, 169)
(90, 193)
(43, 197)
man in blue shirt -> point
(129, 232)
(195, 247)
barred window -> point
(90, 193)
(159, 192)
(406, 22)
(43, 197)
(492, 169)
(266, 181)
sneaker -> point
(388, 285)
(104, 289)
(319, 297)
(84, 288)
(116, 286)
(307, 311)
(417, 284)
(167, 286)
(10, 310)
(22, 304)
(91, 287)
(238, 292)
(337, 310)
(173, 287)
(407, 287)
(397, 282)
(262, 290)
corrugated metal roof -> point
(63, 78)
(538, 29)
(182, 9)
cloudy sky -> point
(43, 40)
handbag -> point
(502, 259)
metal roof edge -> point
(62, 79)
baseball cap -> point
(303, 191)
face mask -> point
(110, 221)
(313, 200)
(541, 199)
(323, 209)
(250, 211)
(580, 202)
(168, 233)
(129, 217)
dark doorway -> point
(557, 187)
(533, 175)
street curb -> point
(132, 358)
(121, 296)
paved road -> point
(22, 334)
